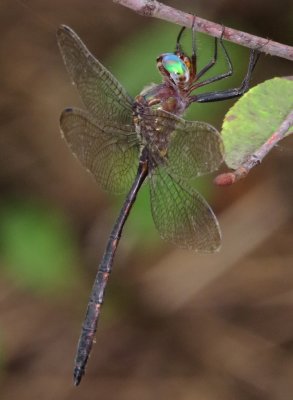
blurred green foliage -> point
(37, 246)
(255, 117)
(2, 354)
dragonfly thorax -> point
(164, 97)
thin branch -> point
(257, 157)
(153, 8)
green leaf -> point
(37, 247)
(254, 118)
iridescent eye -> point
(173, 64)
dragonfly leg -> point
(211, 64)
(178, 45)
(179, 48)
(214, 59)
(230, 93)
(193, 55)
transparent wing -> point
(182, 217)
(110, 154)
(101, 93)
(195, 149)
(188, 148)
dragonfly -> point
(124, 141)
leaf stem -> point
(256, 158)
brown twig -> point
(256, 158)
(153, 8)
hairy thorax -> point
(163, 97)
(155, 132)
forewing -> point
(101, 93)
(181, 216)
(110, 154)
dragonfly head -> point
(175, 68)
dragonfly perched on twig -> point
(124, 141)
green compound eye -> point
(173, 64)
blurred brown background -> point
(175, 324)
